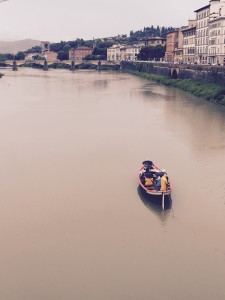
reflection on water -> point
(155, 206)
(101, 83)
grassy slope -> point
(205, 90)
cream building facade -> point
(189, 34)
(129, 53)
(202, 18)
(216, 47)
(118, 53)
(210, 33)
(178, 51)
(203, 40)
(114, 53)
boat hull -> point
(156, 197)
(154, 202)
(154, 193)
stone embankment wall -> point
(215, 74)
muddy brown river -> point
(73, 224)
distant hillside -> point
(16, 46)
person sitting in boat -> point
(158, 182)
(149, 182)
(164, 182)
(161, 172)
(148, 165)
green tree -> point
(56, 47)
(35, 49)
(6, 56)
(73, 44)
(67, 47)
(20, 55)
(151, 53)
(63, 55)
(150, 31)
(94, 57)
(159, 52)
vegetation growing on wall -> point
(59, 66)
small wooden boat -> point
(155, 182)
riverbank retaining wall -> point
(214, 74)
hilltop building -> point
(155, 41)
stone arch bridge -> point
(19, 63)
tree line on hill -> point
(20, 55)
(101, 45)
(150, 32)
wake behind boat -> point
(155, 182)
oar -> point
(163, 201)
(171, 205)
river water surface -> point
(73, 224)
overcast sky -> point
(64, 20)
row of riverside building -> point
(130, 52)
(77, 54)
(202, 41)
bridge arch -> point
(174, 73)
